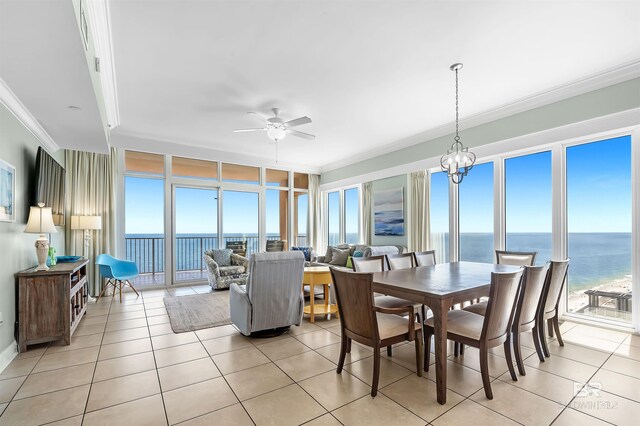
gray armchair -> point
(221, 276)
(272, 297)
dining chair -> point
(527, 309)
(400, 261)
(424, 258)
(483, 332)
(549, 312)
(379, 264)
(370, 325)
(516, 258)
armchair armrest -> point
(240, 308)
(399, 311)
(212, 266)
(238, 260)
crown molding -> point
(136, 142)
(619, 74)
(100, 23)
(17, 108)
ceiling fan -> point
(277, 128)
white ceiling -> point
(42, 61)
(372, 75)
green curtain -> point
(366, 212)
(91, 190)
(418, 212)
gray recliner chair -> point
(272, 297)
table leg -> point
(326, 300)
(440, 309)
(312, 296)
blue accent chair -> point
(117, 272)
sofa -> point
(225, 268)
(355, 250)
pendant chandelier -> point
(458, 160)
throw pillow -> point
(339, 256)
(349, 263)
(357, 254)
(305, 250)
(327, 256)
(222, 256)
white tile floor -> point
(125, 366)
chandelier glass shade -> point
(458, 160)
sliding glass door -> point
(195, 230)
(240, 211)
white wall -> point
(18, 147)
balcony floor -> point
(158, 279)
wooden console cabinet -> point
(51, 303)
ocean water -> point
(596, 258)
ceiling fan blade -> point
(258, 116)
(302, 135)
(249, 130)
(297, 122)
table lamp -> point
(41, 222)
(86, 223)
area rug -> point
(198, 311)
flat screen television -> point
(50, 186)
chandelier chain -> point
(457, 138)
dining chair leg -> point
(507, 355)
(543, 339)
(556, 326)
(389, 352)
(133, 288)
(427, 350)
(484, 372)
(518, 353)
(348, 345)
(120, 282)
(343, 353)
(376, 372)
(536, 341)
(106, 286)
(550, 327)
(418, 344)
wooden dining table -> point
(439, 287)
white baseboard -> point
(7, 355)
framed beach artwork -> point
(388, 212)
(7, 192)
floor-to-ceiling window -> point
(333, 218)
(439, 215)
(351, 216)
(528, 212)
(144, 239)
(475, 200)
(240, 212)
(598, 179)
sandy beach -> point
(578, 300)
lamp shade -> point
(86, 222)
(40, 220)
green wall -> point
(18, 147)
(616, 98)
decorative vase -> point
(52, 256)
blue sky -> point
(598, 198)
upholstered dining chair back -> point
(515, 258)
(354, 293)
(529, 300)
(425, 258)
(369, 264)
(400, 261)
(557, 277)
(501, 304)
(274, 245)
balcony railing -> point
(148, 252)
